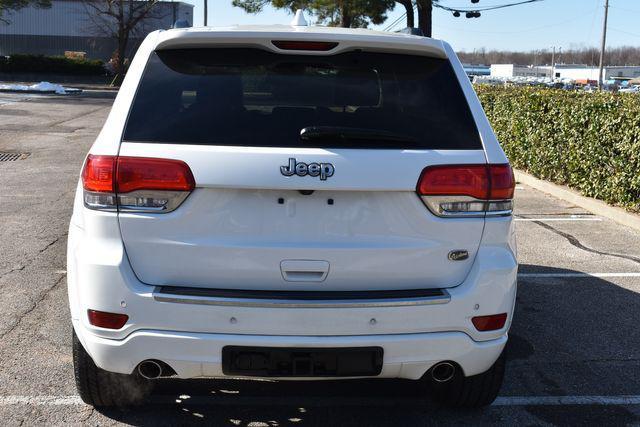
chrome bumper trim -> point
(443, 298)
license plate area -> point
(302, 362)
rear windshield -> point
(251, 97)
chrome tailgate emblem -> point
(323, 170)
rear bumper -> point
(194, 355)
(190, 335)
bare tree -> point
(623, 55)
(121, 20)
(8, 6)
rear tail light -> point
(103, 319)
(467, 190)
(135, 184)
(489, 323)
(98, 180)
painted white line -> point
(60, 271)
(213, 401)
(40, 400)
(519, 188)
(566, 400)
(569, 218)
(578, 274)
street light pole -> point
(205, 12)
(553, 63)
(603, 45)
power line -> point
(624, 32)
(624, 9)
(542, 27)
(396, 22)
(471, 12)
(484, 8)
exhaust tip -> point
(150, 369)
(443, 372)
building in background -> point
(577, 72)
(476, 70)
(513, 70)
(584, 72)
(70, 26)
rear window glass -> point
(251, 97)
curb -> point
(80, 86)
(42, 92)
(596, 206)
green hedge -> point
(19, 63)
(588, 141)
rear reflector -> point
(303, 45)
(98, 173)
(141, 173)
(103, 319)
(489, 323)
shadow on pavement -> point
(570, 336)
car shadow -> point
(570, 336)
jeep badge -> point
(324, 170)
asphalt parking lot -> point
(574, 351)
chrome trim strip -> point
(289, 303)
(174, 200)
(433, 203)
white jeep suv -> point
(292, 202)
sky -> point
(561, 23)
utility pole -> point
(175, 13)
(425, 11)
(205, 12)
(553, 63)
(604, 43)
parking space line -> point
(353, 401)
(566, 400)
(569, 218)
(525, 275)
(40, 400)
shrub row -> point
(19, 63)
(588, 141)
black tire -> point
(472, 392)
(101, 388)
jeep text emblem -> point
(323, 170)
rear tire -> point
(472, 392)
(101, 388)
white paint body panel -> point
(231, 233)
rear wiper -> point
(344, 133)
